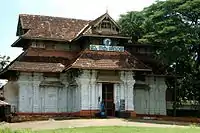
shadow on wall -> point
(11, 93)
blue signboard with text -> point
(107, 48)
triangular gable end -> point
(101, 26)
(105, 25)
(21, 30)
(107, 17)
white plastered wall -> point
(34, 98)
(151, 101)
(70, 98)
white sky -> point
(85, 9)
(82, 9)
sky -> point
(80, 9)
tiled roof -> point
(108, 60)
(48, 27)
(56, 28)
(151, 61)
(40, 61)
(37, 67)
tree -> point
(131, 24)
(4, 60)
(173, 26)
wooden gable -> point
(103, 25)
(106, 25)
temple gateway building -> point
(69, 66)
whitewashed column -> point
(152, 95)
(93, 98)
(163, 88)
(130, 83)
(22, 98)
(122, 85)
(84, 84)
(117, 96)
(99, 88)
(63, 99)
(36, 95)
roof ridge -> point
(40, 62)
(74, 60)
(54, 17)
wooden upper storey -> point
(54, 44)
(67, 34)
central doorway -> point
(107, 97)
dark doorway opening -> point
(5, 113)
(108, 98)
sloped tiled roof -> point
(55, 28)
(37, 67)
(86, 59)
(48, 27)
(108, 60)
(152, 62)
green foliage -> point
(4, 60)
(8, 130)
(109, 129)
(174, 27)
(131, 25)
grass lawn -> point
(113, 129)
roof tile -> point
(37, 67)
(108, 60)
(51, 27)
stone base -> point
(19, 117)
(132, 114)
(126, 114)
(88, 113)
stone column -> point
(94, 97)
(89, 95)
(130, 84)
(36, 94)
(127, 88)
(163, 88)
(117, 96)
(83, 82)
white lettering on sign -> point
(107, 48)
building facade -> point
(69, 66)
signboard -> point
(107, 48)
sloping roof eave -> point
(6, 68)
(89, 59)
(117, 69)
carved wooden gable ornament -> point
(103, 25)
(106, 25)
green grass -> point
(113, 129)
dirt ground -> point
(55, 124)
